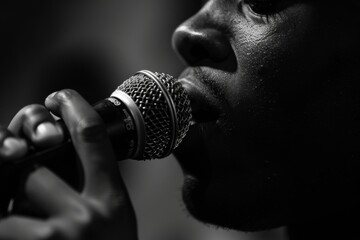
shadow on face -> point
(284, 80)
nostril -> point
(204, 47)
(199, 54)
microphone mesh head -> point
(155, 110)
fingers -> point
(50, 194)
(21, 228)
(103, 208)
(90, 139)
(11, 147)
(35, 123)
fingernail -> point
(47, 133)
(13, 148)
(51, 95)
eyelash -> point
(264, 9)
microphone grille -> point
(165, 108)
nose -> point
(204, 46)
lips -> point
(204, 105)
(192, 153)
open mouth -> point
(192, 154)
(204, 103)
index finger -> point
(91, 142)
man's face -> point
(271, 104)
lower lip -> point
(192, 154)
(188, 85)
(202, 108)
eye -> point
(265, 8)
(262, 7)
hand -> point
(102, 210)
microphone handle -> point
(63, 160)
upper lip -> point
(204, 102)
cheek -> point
(270, 56)
(276, 68)
(270, 99)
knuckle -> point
(28, 115)
(33, 109)
(91, 129)
(65, 95)
(112, 210)
(47, 232)
(34, 114)
(86, 218)
(84, 221)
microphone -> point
(146, 117)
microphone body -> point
(146, 118)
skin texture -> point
(276, 113)
(278, 145)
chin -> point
(212, 206)
(224, 192)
